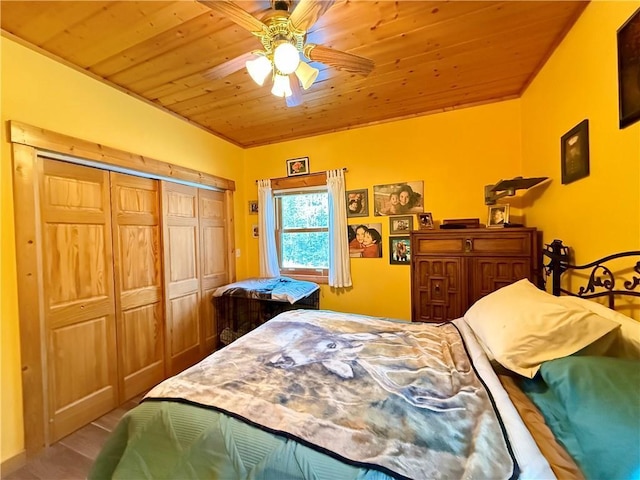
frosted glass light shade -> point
(258, 69)
(286, 58)
(281, 86)
(306, 74)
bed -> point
(316, 394)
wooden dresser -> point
(451, 269)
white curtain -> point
(339, 265)
(267, 227)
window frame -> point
(317, 275)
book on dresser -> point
(451, 269)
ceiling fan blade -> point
(235, 14)
(296, 98)
(337, 59)
(229, 67)
(307, 13)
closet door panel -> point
(213, 258)
(181, 276)
(136, 223)
(79, 304)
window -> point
(302, 233)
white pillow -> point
(523, 326)
(621, 343)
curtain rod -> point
(344, 169)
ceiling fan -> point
(283, 36)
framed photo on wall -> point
(399, 251)
(357, 203)
(297, 166)
(398, 198)
(574, 153)
(365, 240)
(498, 216)
(628, 37)
(400, 225)
(253, 207)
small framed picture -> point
(629, 70)
(498, 215)
(253, 207)
(400, 225)
(574, 151)
(297, 166)
(357, 203)
(399, 251)
(426, 221)
(254, 231)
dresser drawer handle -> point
(468, 245)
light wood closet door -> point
(181, 276)
(213, 258)
(138, 280)
(79, 306)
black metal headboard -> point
(602, 281)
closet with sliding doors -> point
(115, 276)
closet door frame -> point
(28, 143)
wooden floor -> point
(72, 457)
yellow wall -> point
(454, 153)
(44, 93)
(599, 214)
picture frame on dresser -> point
(498, 216)
(426, 221)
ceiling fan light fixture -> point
(286, 57)
(306, 74)
(281, 86)
(259, 69)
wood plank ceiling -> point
(430, 56)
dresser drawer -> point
(507, 243)
(473, 242)
(437, 244)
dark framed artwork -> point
(399, 251)
(629, 70)
(297, 166)
(253, 207)
(357, 203)
(400, 225)
(398, 198)
(574, 153)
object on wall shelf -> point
(507, 188)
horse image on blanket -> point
(392, 394)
